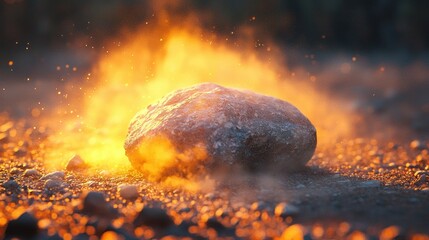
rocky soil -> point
(356, 189)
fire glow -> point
(151, 64)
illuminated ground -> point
(352, 186)
(355, 193)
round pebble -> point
(128, 192)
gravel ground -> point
(357, 188)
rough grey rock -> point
(53, 184)
(57, 175)
(234, 127)
(31, 173)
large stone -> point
(208, 126)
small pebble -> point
(285, 209)
(153, 217)
(14, 171)
(94, 203)
(76, 163)
(11, 186)
(59, 175)
(128, 192)
(53, 184)
(31, 173)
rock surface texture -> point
(210, 126)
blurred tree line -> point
(332, 24)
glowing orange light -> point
(144, 69)
(318, 231)
(110, 235)
(357, 235)
(389, 233)
(294, 232)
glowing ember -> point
(209, 126)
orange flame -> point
(153, 63)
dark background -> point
(358, 25)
